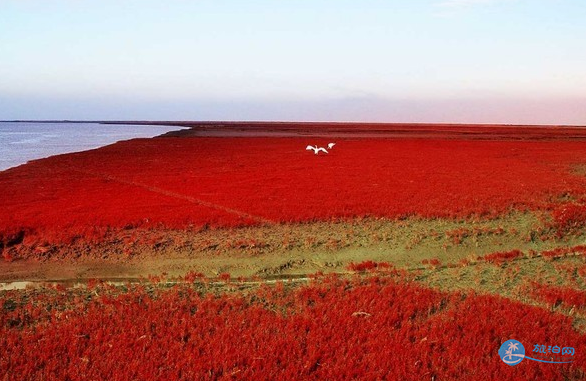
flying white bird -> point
(316, 149)
(331, 145)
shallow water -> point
(120, 282)
(15, 285)
(21, 142)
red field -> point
(333, 329)
(223, 182)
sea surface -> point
(21, 142)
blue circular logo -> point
(512, 352)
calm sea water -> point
(21, 142)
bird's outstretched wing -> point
(310, 148)
(331, 145)
(321, 149)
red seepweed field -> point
(369, 328)
(236, 181)
(445, 241)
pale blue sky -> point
(502, 61)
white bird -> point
(331, 145)
(316, 149)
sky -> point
(444, 61)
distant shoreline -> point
(350, 129)
(23, 142)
